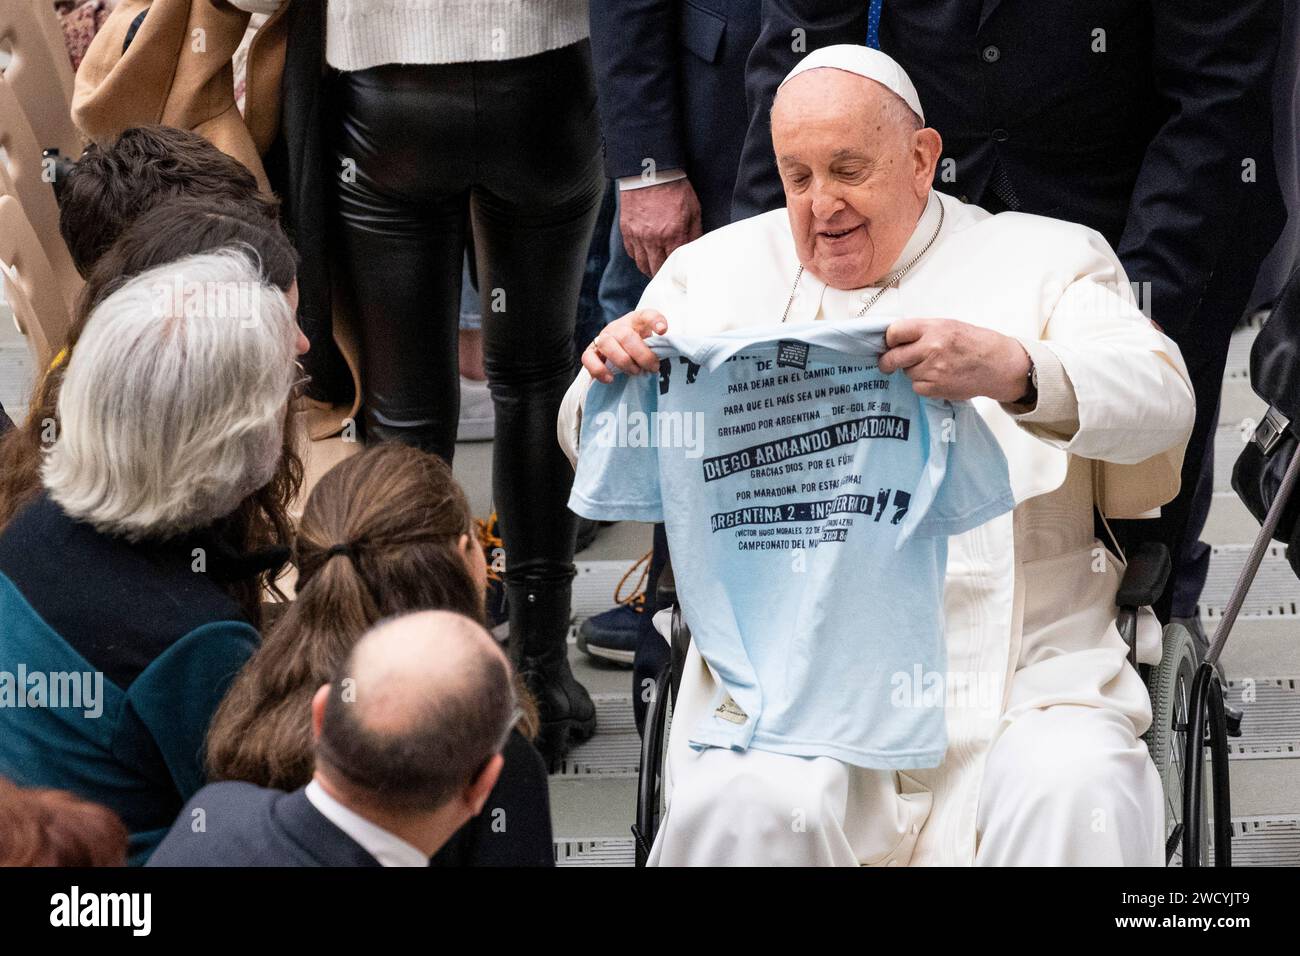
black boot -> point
(539, 627)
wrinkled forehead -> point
(829, 102)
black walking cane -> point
(1207, 697)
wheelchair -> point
(1188, 721)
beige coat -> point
(1060, 290)
(177, 71)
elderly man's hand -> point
(655, 220)
(620, 343)
(955, 360)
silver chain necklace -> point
(891, 280)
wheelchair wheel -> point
(1170, 686)
(651, 797)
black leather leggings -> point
(513, 147)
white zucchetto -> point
(864, 61)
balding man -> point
(1030, 319)
(408, 747)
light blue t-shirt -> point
(807, 498)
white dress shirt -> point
(656, 179)
(266, 7)
(388, 849)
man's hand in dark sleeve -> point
(655, 220)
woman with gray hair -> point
(251, 545)
(117, 637)
(173, 407)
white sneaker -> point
(477, 417)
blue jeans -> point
(591, 318)
(622, 284)
(471, 310)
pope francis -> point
(1033, 320)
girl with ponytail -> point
(385, 532)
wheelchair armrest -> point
(680, 643)
(1145, 576)
(679, 634)
(666, 592)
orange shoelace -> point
(490, 541)
(637, 598)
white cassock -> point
(1045, 762)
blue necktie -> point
(873, 25)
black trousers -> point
(512, 146)
(1205, 352)
(1182, 520)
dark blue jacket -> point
(670, 79)
(160, 640)
(239, 824)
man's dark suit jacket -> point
(670, 78)
(1133, 117)
(247, 825)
